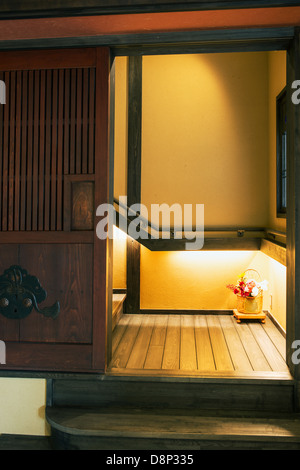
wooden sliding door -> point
(53, 175)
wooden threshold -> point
(202, 345)
(282, 377)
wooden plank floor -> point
(195, 344)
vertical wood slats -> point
(47, 130)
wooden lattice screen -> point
(47, 131)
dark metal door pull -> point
(20, 293)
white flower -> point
(263, 285)
(255, 291)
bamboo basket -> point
(250, 304)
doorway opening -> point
(208, 136)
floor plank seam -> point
(149, 342)
(260, 346)
(275, 345)
(242, 343)
(209, 334)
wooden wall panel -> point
(52, 157)
(9, 255)
(50, 59)
(65, 272)
(48, 357)
(82, 205)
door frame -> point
(293, 210)
(237, 40)
(252, 41)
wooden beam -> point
(134, 130)
(217, 243)
(274, 250)
(109, 299)
(17, 9)
(134, 177)
(174, 42)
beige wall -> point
(22, 406)
(205, 135)
(209, 137)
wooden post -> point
(293, 211)
(102, 297)
(134, 177)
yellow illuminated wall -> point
(198, 280)
(119, 259)
(120, 167)
(277, 81)
(205, 135)
(120, 142)
(209, 136)
(190, 280)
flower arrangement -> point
(248, 288)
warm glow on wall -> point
(119, 258)
(193, 258)
(197, 280)
(119, 234)
(275, 297)
(190, 280)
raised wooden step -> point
(117, 308)
(266, 393)
(121, 429)
(112, 412)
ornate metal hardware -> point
(20, 293)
